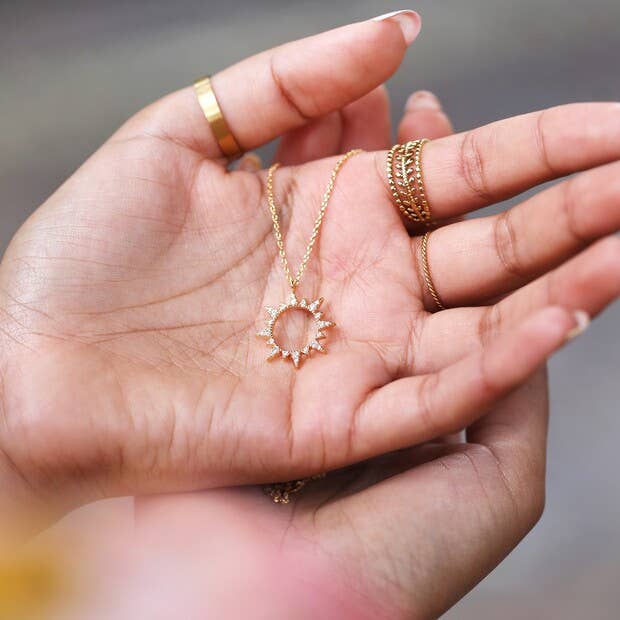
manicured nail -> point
(422, 100)
(582, 319)
(409, 22)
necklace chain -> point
(281, 492)
(294, 281)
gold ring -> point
(427, 272)
(211, 108)
(406, 180)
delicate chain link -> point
(281, 492)
(294, 282)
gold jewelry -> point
(281, 492)
(406, 180)
(427, 273)
(211, 108)
(293, 303)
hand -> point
(401, 537)
(373, 541)
(131, 298)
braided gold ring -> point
(406, 180)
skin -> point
(131, 298)
(350, 545)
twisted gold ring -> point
(427, 272)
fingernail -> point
(409, 22)
(582, 319)
(422, 100)
(250, 162)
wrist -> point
(20, 515)
(29, 500)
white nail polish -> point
(408, 20)
(583, 320)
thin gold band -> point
(427, 272)
(211, 108)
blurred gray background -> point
(71, 72)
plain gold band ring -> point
(427, 272)
(211, 108)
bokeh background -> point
(71, 71)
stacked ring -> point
(404, 173)
(406, 181)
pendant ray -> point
(274, 353)
(315, 305)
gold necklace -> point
(293, 303)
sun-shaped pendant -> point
(296, 356)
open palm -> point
(132, 297)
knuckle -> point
(489, 324)
(427, 388)
(540, 135)
(472, 167)
(570, 210)
(484, 380)
(292, 93)
(415, 329)
(507, 246)
(516, 482)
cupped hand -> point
(401, 537)
(132, 297)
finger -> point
(267, 95)
(589, 282)
(462, 512)
(416, 409)
(480, 167)
(423, 118)
(366, 122)
(362, 124)
(320, 138)
(518, 245)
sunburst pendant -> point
(296, 356)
